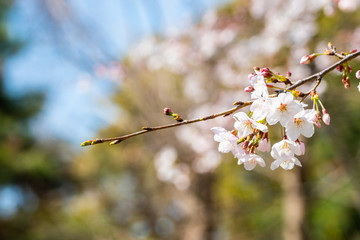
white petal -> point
(241, 159)
(285, 118)
(241, 116)
(238, 126)
(307, 129)
(260, 126)
(273, 117)
(260, 161)
(297, 162)
(292, 131)
(275, 150)
(218, 130)
(225, 147)
(249, 165)
(287, 165)
(238, 152)
(288, 97)
(296, 148)
(274, 165)
(218, 138)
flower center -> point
(285, 163)
(298, 122)
(283, 107)
(285, 146)
(248, 124)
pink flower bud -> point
(357, 74)
(302, 148)
(264, 145)
(251, 75)
(167, 111)
(245, 145)
(340, 68)
(307, 59)
(266, 72)
(326, 117)
(347, 84)
(249, 89)
(316, 119)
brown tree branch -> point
(238, 105)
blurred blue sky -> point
(63, 45)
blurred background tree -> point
(31, 175)
(174, 184)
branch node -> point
(115, 142)
(238, 103)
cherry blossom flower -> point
(227, 141)
(358, 87)
(283, 108)
(300, 124)
(250, 161)
(287, 163)
(284, 154)
(261, 107)
(246, 125)
(259, 85)
(285, 148)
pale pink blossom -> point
(358, 87)
(283, 108)
(284, 154)
(300, 124)
(286, 163)
(285, 148)
(264, 145)
(260, 108)
(259, 85)
(246, 125)
(227, 141)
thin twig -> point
(325, 71)
(116, 140)
(238, 105)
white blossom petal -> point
(250, 161)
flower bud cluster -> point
(345, 68)
(168, 112)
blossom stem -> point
(322, 106)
